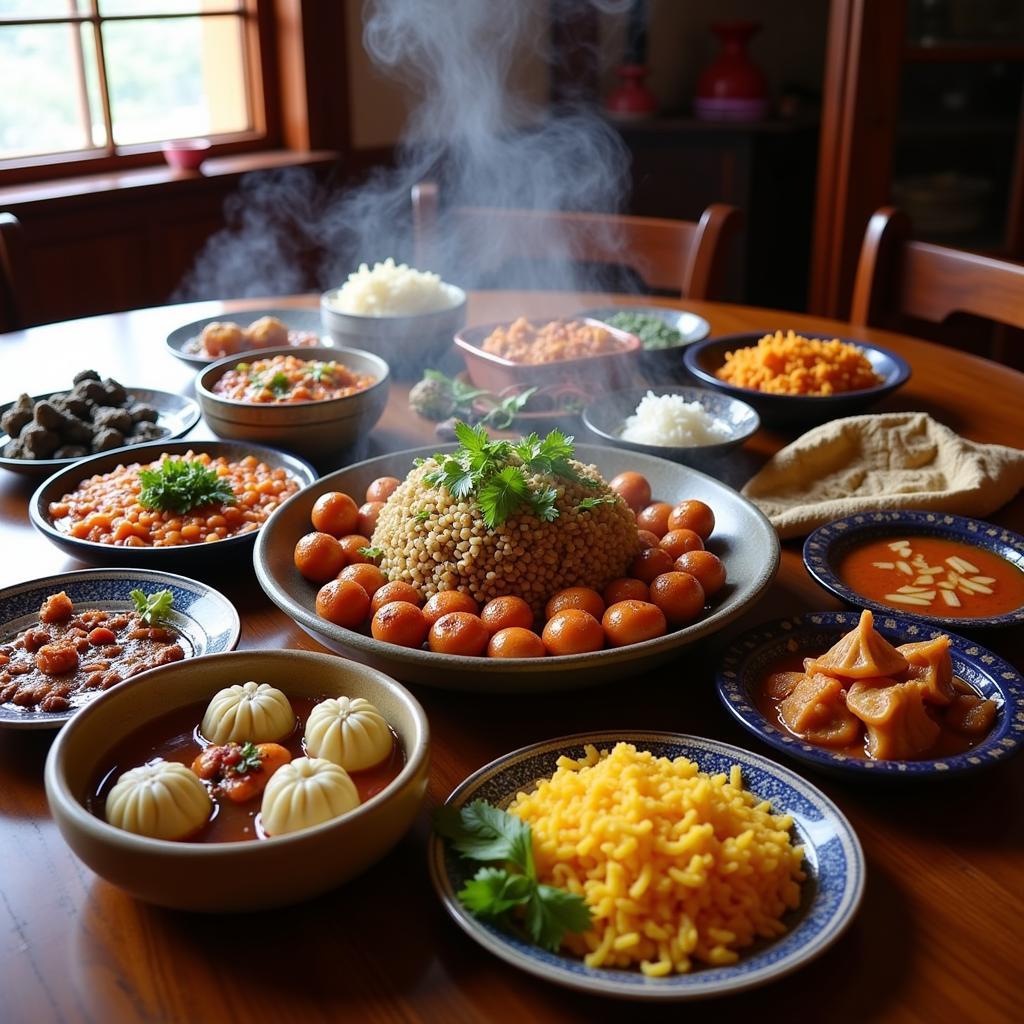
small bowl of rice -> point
(690, 425)
(408, 317)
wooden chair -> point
(899, 278)
(16, 297)
(681, 257)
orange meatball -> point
(632, 622)
(335, 513)
(706, 567)
(572, 631)
(369, 577)
(626, 589)
(648, 539)
(397, 590)
(676, 542)
(679, 595)
(350, 544)
(649, 563)
(505, 613)
(459, 633)
(57, 658)
(382, 488)
(368, 514)
(633, 488)
(575, 597)
(655, 518)
(401, 623)
(344, 603)
(318, 556)
(516, 642)
(56, 608)
(693, 515)
(445, 601)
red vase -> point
(734, 87)
(631, 98)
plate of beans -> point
(168, 503)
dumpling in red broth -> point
(897, 719)
(816, 709)
(859, 654)
(929, 662)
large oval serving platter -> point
(205, 619)
(743, 538)
(814, 633)
(295, 319)
(831, 895)
(68, 479)
(176, 413)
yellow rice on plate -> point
(677, 866)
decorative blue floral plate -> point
(834, 864)
(825, 548)
(205, 619)
(755, 651)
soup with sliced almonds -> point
(927, 575)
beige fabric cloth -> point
(896, 460)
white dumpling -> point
(257, 712)
(349, 732)
(307, 791)
(162, 800)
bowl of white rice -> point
(406, 316)
(685, 424)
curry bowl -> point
(251, 874)
(311, 428)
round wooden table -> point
(939, 934)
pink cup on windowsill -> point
(186, 154)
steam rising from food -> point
(469, 131)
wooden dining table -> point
(939, 934)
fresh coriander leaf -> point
(588, 503)
(557, 446)
(152, 608)
(493, 891)
(504, 413)
(473, 439)
(250, 759)
(480, 831)
(371, 552)
(504, 493)
(279, 384)
(544, 507)
(551, 912)
(422, 516)
(179, 485)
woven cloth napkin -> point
(896, 460)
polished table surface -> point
(938, 937)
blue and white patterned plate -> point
(755, 651)
(825, 548)
(834, 864)
(205, 619)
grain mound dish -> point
(390, 289)
(677, 867)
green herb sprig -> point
(371, 552)
(500, 412)
(180, 485)
(589, 503)
(152, 608)
(482, 832)
(249, 759)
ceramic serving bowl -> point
(66, 480)
(743, 539)
(182, 341)
(755, 651)
(313, 429)
(826, 547)
(251, 875)
(607, 416)
(589, 376)
(186, 154)
(408, 343)
(704, 358)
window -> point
(83, 81)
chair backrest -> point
(16, 300)
(899, 278)
(689, 259)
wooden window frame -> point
(261, 89)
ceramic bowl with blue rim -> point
(826, 547)
(756, 652)
(834, 864)
(204, 618)
(607, 417)
(705, 358)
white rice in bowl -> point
(671, 421)
(390, 289)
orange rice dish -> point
(521, 342)
(790, 364)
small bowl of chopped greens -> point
(663, 331)
(314, 401)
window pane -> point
(175, 78)
(49, 112)
(42, 8)
(155, 7)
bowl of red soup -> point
(952, 570)
(861, 695)
(240, 781)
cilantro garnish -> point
(279, 384)
(482, 832)
(152, 608)
(422, 516)
(371, 552)
(589, 503)
(320, 371)
(250, 759)
(179, 485)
